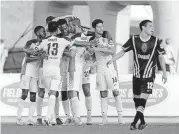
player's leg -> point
(88, 98)
(136, 98)
(113, 84)
(74, 84)
(57, 105)
(40, 97)
(88, 101)
(101, 86)
(146, 90)
(33, 91)
(65, 100)
(25, 86)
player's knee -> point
(115, 93)
(87, 92)
(72, 94)
(57, 94)
(52, 92)
(24, 94)
(32, 97)
(104, 94)
(41, 92)
(64, 95)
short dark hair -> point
(49, 18)
(143, 23)
(37, 28)
(61, 22)
(52, 26)
(95, 22)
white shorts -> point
(75, 81)
(64, 81)
(107, 81)
(52, 82)
(86, 76)
(28, 82)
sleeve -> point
(128, 45)
(160, 47)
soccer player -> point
(106, 78)
(54, 48)
(30, 75)
(146, 50)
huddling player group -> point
(59, 61)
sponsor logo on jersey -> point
(145, 57)
(159, 94)
(11, 94)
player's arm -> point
(69, 53)
(125, 48)
(109, 51)
(161, 52)
(30, 59)
(28, 48)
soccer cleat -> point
(19, 122)
(104, 120)
(88, 122)
(77, 121)
(59, 121)
(39, 121)
(142, 126)
(68, 121)
(49, 123)
(133, 126)
(30, 122)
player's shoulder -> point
(76, 36)
(32, 41)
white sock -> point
(57, 105)
(118, 103)
(88, 103)
(39, 107)
(104, 105)
(20, 107)
(66, 107)
(31, 110)
(51, 107)
(75, 105)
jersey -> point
(31, 68)
(102, 58)
(54, 48)
(145, 55)
(77, 62)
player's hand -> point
(93, 43)
(43, 55)
(164, 78)
(109, 63)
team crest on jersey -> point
(144, 47)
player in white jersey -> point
(30, 75)
(106, 79)
(54, 48)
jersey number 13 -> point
(53, 49)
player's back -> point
(54, 48)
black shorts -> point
(143, 85)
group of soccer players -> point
(61, 62)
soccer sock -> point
(51, 107)
(31, 110)
(136, 102)
(39, 107)
(104, 105)
(118, 103)
(88, 103)
(20, 107)
(66, 107)
(141, 109)
(57, 105)
(75, 106)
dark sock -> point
(136, 118)
(142, 106)
(136, 102)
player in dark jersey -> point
(146, 50)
